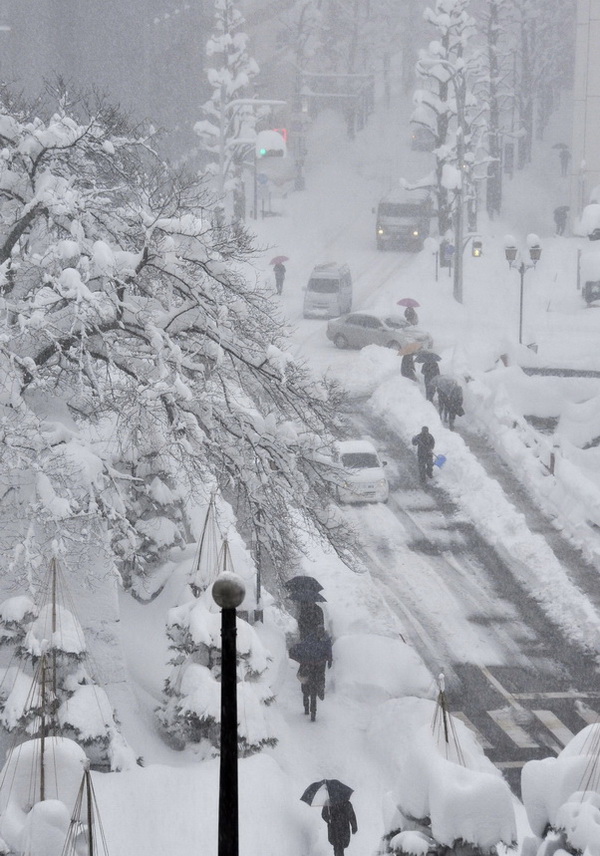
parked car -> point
(361, 477)
(357, 329)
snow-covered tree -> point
(140, 361)
(497, 92)
(48, 688)
(191, 712)
(227, 129)
(447, 106)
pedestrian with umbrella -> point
(337, 811)
(279, 271)
(306, 591)
(410, 312)
(313, 654)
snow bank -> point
(564, 792)
(376, 668)
(468, 801)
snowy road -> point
(510, 674)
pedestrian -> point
(310, 619)
(560, 218)
(411, 315)
(279, 271)
(340, 820)
(564, 156)
(425, 443)
(430, 370)
(450, 399)
(407, 367)
(311, 674)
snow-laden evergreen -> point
(191, 712)
(48, 688)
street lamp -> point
(228, 592)
(511, 253)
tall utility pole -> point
(459, 220)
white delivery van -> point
(329, 291)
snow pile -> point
(24, 821)
(376, 668)
(447, 791)
(562, 795)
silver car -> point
(358, 329)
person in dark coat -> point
(425, 443)
(411, 315)
(565, 157)
(450, 399)
(407, 367)
(279, 271)
(340, 820)
(430, 370)
(560, 218)
(312, 674)
(310, 619)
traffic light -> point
(270, 153)
(477, 249)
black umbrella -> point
(427, 356)
(560, 146)
(303, 582)
(306, 596)
(311, 650)
(327, 792)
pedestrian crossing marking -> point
(566, 694)
(504, 719)
(483, 742)
(553, 724)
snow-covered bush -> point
(191, 710)
(448, 794)
(562, 796)
(48, 687)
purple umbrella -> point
(408, 301)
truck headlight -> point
(415, 233)
(380, 231)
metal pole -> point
(228, 592)
(522, 273)
(228, 773)
(255, 187)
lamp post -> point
(511, 252)
(228, 592)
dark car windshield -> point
(359, 460)
(324, 286)
(400, 209)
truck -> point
(403, 220)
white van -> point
(329, 291)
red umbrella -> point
(278, 260)
(407, 301)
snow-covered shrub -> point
(48, 679)
(449, 795)
(562, 796)
(190, 712)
